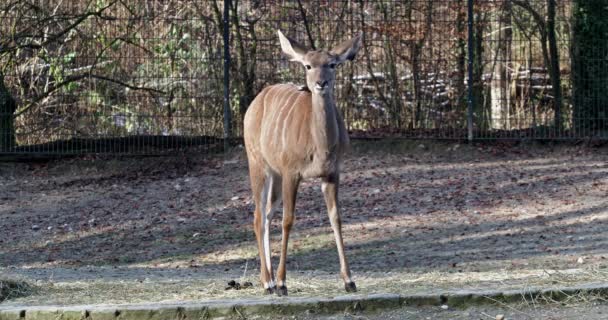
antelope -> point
(293, 133)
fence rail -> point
(139, 76)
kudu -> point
(292, 133)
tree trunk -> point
(416, 77)
(589, 76)
(396, 104)
(416, 64)
(461, 93)
(551, 54)
(554, 69)
(7, 122)
(480, 109)
(506, 85)
(500, 78)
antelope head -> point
(320, 65)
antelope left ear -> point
(348, 49)
(292, 49)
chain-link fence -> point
(148, 76)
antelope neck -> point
(324, 126)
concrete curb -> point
(286, 306)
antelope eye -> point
(308, 67)
(332, 65)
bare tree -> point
(501, 95)
(38, 49)
(550, 53)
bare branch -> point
(537, 16)
(63, 32)
(303, 13)
(76, 78)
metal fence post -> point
(227, 113)
(470, 67)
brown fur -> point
(280, 133)
(292, 134)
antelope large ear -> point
(348, 49)
(291, 48)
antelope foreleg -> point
(330, 191)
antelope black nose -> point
(321, 84)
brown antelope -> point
(291, 134)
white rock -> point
(234, 198)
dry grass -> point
(318, 284)
(11, 289)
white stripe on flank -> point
(280, 108)
(270, 109)
(292, 106)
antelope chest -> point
(320, 164)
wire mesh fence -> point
(148, 76)
(112, 76)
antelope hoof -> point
(282, 291)
(270, 290)
(350, 287)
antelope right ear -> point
(348, 49)
(291, 48)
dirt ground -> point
(415, 214)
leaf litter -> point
(414, 219)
